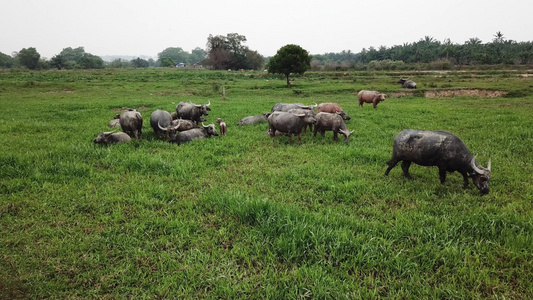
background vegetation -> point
(230, 52)
(251, 217)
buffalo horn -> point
(160, 127)
(488, 164)
(208, 103)
(476, 168)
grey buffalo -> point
(374, 97)
(184, 125)
(191, 111)
(289, 124)
(160, 118)
(288, 106)
(131, 123)
(180, 137)
(332, 122)
(115, 122)
(407, 84)
(252, 120)
(111, 137)
(438, 148)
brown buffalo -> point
(373, 97)
(332, 108)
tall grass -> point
(248, 216)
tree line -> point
(229, 52)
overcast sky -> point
(147, 27)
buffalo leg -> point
(335, 136)
(391, 163)
(442, 175)
(405, 168)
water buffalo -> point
(183, 124)
(111, 137)
(160, 118)
(373, 97)
(307, 112)
(438, 148)
(332, 122)
(332, 108)
(115, 122)
(191, 111)
(252, 120)
(289, 123)
(288, 106)
(203, 132)
(222, 127)
(131, 123)
(407, 84)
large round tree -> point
(290, 59)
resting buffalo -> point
(288, 106)
(115, 122)
(332, 108)
(112, 138)
(160, 118)
(331, 122)
(438, 148)
(289, 123)
(407, 84)
(373, 97)
(191, 111)
(183, 124)
(131, 123)
(252, 120)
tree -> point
(29, 58)
(175, 54)
(197, 55)
(59, 62)
(290, 59)
(6, 61)
(89, 61)
(72, 56)
(228, 52)
(139, 63)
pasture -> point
(247, 216)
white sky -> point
(147, 27)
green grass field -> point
(247, 216)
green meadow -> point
(248, 216)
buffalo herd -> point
(426, 148)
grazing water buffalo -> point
(332, 122)
(289, 123)
(441, 149)
(373, 97)
(288, 106)
(191, 111)
(222, 127)
(160, 118)
(111, 137)
(252, 120)
(407, 84)
(332, 108)
(131, 123)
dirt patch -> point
(142, 107)
(452, 93)
(464, 93)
